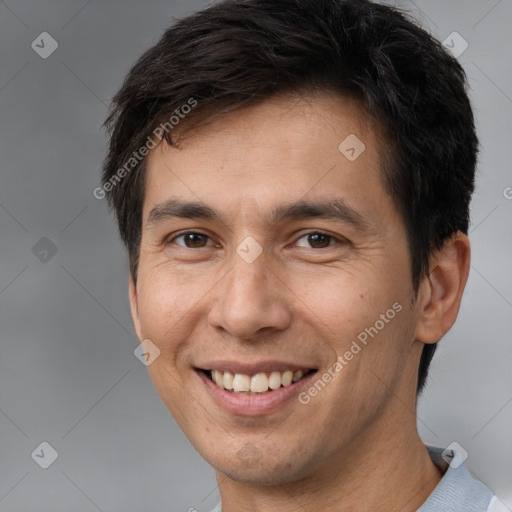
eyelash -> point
(315, 232)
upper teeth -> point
(259, 383)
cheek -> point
(164, 306)
(383, 347)
(366, 321)
(338, 303)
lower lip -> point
(253, 405)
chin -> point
(251, 467)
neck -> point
(386, 468)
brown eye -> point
(318, 240)
(192, 240)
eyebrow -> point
(334, 209)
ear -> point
(441, 291)
(134, 306)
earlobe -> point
(134, 306)
(442, 289)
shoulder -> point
(458, 490)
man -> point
(292, 181)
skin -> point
(355, 445)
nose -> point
(250, 299)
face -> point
(273, 263)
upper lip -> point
(253, 368)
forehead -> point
(286, 148)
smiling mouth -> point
(258, 383)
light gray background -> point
(68, 375)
